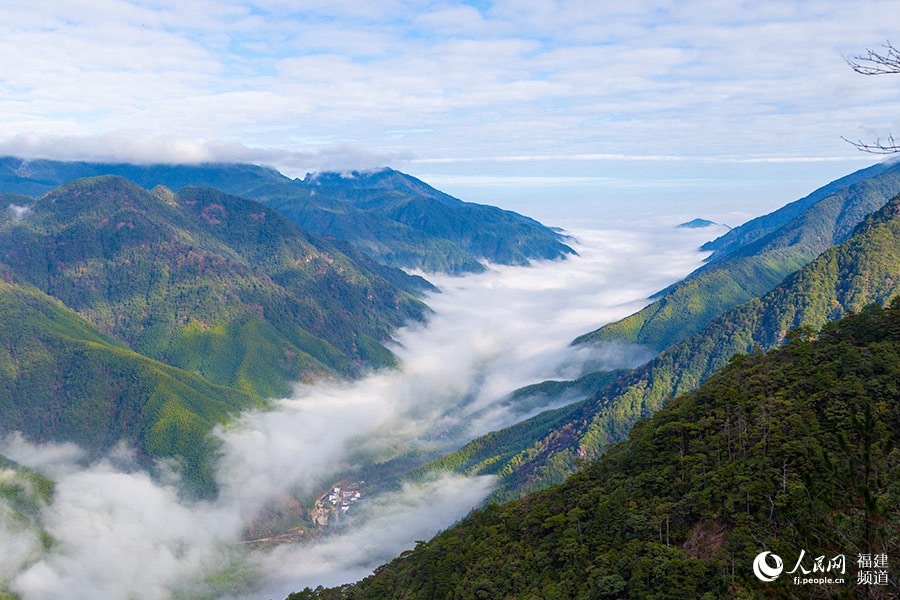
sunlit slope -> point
(392, 217)
(62, 380)
(214, 284)
(754, 259)
(500, 236)
(759, 227)
(23, 493)
(845, 278)
(791, 451)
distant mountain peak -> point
(697, 224)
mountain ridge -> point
(402, 235)
(84, 387)
(152, 272)
(150, 318)
(756, 266)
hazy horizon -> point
(595, 102)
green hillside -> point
(543, 450)
(149, 318)
(756, 264)
(25, 493)
(62, 380)
(394, 218)
(214, 284)
(759, 227)
(792, 452)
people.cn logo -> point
(763, 570)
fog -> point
(19, 212)
(121, 533)
(382, 530)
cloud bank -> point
(119, 533)
(764, 80)
(146, 147)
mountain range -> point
(149, 317)
(153, 313)
(149, 304)
(392, 217)
(752, 259)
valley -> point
(452, 381)
(288, 399)
(456, 300)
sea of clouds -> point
(121, 533)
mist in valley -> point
(120, 532)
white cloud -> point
(547, 78)
(52, 459)
(123, 535)
(120, 533)
(381, 530)
(144, 147)
(453, 20)
(19, 212)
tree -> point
(884, 62)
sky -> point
(550, 107)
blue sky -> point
(550, 106)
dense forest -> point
(792, 451)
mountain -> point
(543, 450)
(756, 259)
(481, 231)
(759, 227)
(23, 493)
(790, 452)
(150, 318)
(63, 380)
(214, 284)
(696, 224)
(394, 218)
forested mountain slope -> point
(501, 236)
(149, 318)
(759, 227)
(755, 261)
(62, 380)
(23, 493)
(792, 452)
(543, 450)
(392, 217)
(215, 284)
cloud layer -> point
(120, 533)
(442, 81)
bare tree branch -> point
(877, 63)
(879, 147)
